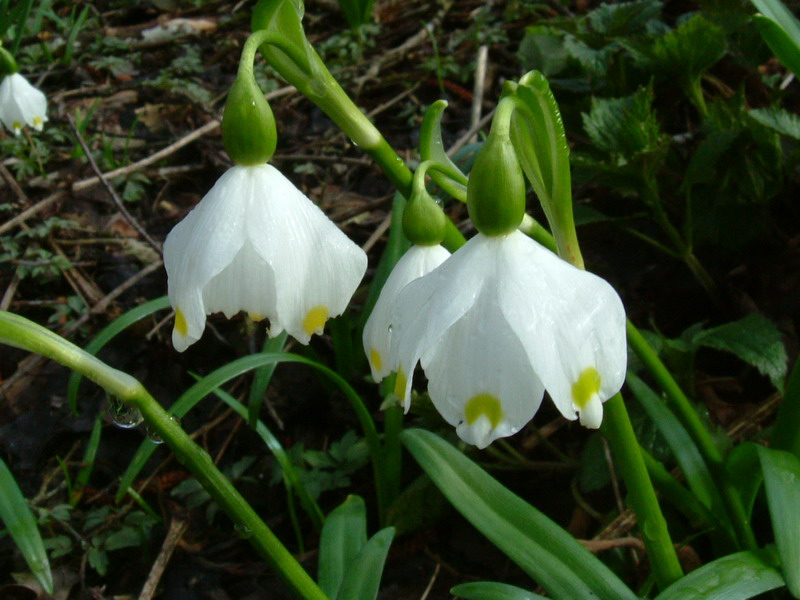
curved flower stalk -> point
(256, 243)
(501, 321)
(378, 332)
(21, 104)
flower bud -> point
(496, 187)
(424, 221)
(8, 66)
(248, 126)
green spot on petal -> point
(315, 320)
(181, 326)
(586, 387)
(486, 405)
(376, 361)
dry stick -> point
(464, 139)
(111, 191)
(477, 90)
(177, 528)
(26, 214)
(12, 183)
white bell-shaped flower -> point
(256, 243)
(21, 104)
(377, 338)
(499, 322)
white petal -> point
(480, 379)
(427, 307)
(377, 337)
(317, 268)
(200, 247)
(571, 323)
(21, 104)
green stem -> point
(641, 495)
(691, 420)
(22, 333)
(392, 455)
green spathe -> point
(8, 66)
(248, 126)
(496, 188)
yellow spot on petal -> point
(315, 320)
(400, 384)
(375, 359)
(486, 405)
(181, 326)
(37, 122)
(256, 317)
(586, 387)
(17, 126)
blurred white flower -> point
(499, 322)
(256, 243)
(377, 337)
(21, 104)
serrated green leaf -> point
(689, 50)
(755, 340)
(624, 127)
(734, 577)
(624, 18)
(363, 576)
(781, 30)
(538, 545)
(490, 590)
(344, 534)
(543, 49)
(702, 166)
(782, 482)
(18, 520)
(777, 119)
(126, 537)
(98, 559)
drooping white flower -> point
(499, 322)
(377, 338)
(256, 243)
(21, 104)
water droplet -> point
(153, 435)
(122, 414)
(243, 531)
(439, 201)
(390, 328)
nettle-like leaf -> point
(625, 127)
(625, 18)
(543, 48)
(777, 119)
(755, 340)
(689, 50)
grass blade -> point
(538, 545)
(88, 461)
(18, 519)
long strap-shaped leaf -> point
(537, 544)
(734, 577)
(17, 517)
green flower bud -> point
(496, 187)
(424, 221)
(8, 66)
(248, 126)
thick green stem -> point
(641, 495)
(22, 333)
(691, 420)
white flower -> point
(21, 104)
(255, 243)
(377, 338)
(499, 322)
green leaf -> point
(781, 30)
(363, 576)
(489, 590)
(744, 472)
(534, 542)
(683, 448)
(625, 127)
(261, 379)
(703, 164)
(625, 18)
(88, 461)
(417, 507)
(689, 50)
(18, 520)
(543, 49)
(755, 340)
(357, 12)
(782, 482)
(344, 534)
(98, 560)
(734, 577)
(127, 537)
(777, 119)
(108, 333)
(785, 432)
